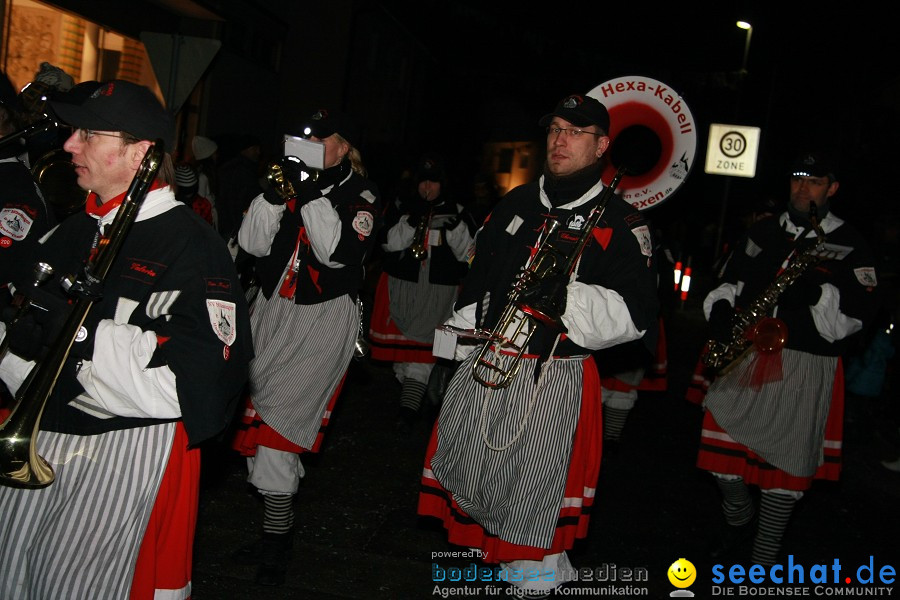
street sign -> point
(732, 150)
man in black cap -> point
(774, 415)
(311, 243)
(153, 372)
(512, 470)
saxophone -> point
(724, 355)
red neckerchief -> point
(98, 209)
(95, 208)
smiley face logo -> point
(682, 573)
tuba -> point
(20, 464)
(753, 327)
(527, 309)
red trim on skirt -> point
(701, 379)
(253, 431)
(573, 521)
(728, 456)
(165, 558)
(386, 341)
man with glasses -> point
(512, 471)
(154, 371)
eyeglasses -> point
(85, 134)
(571, 131)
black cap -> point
(429, 169)
(812, 164)
(581, 111)
(120, 105)
(324, 123)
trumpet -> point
(20, 464)
(419, 246)
(285, 189)
(529, 306)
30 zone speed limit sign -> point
(732, 150)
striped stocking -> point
(737, 505)
(412, 394)
(774, 513)
(279, 513)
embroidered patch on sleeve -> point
(223, 317)
(15, 223)
(514, 225)
(642, 234)
(363, 223)
(866, 276)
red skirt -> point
(386, 341)
(574, 514)
(721, 454)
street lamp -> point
(749, 28)
(737, 110)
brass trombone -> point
(527, 307)
(20, 464)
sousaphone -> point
(653, 134)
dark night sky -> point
(816, 76)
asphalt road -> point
(358, 535)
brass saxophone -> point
(724, 355)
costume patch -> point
(15, 223)
(218, 285)
(514, 225)
(830, 251)
(143, 271)
(575, 222)
(866, 276)
(363, 223)
(223, 318)
(752, 249)
(368, 196)
(642, 234)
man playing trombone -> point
(512, 466)
(156, 358)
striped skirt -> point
(302, 355)
(404, 317)
(785, 434)
(514, 483)
(79, 538)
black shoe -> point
(732, 540)
(611, 448)
(248, 554)
(272, 554)
(271, 575)
(406, 421)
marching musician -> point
(154, 371)
(311, 247)
(512, 470)
(426, 241)
(25, 214)
(774, 418)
